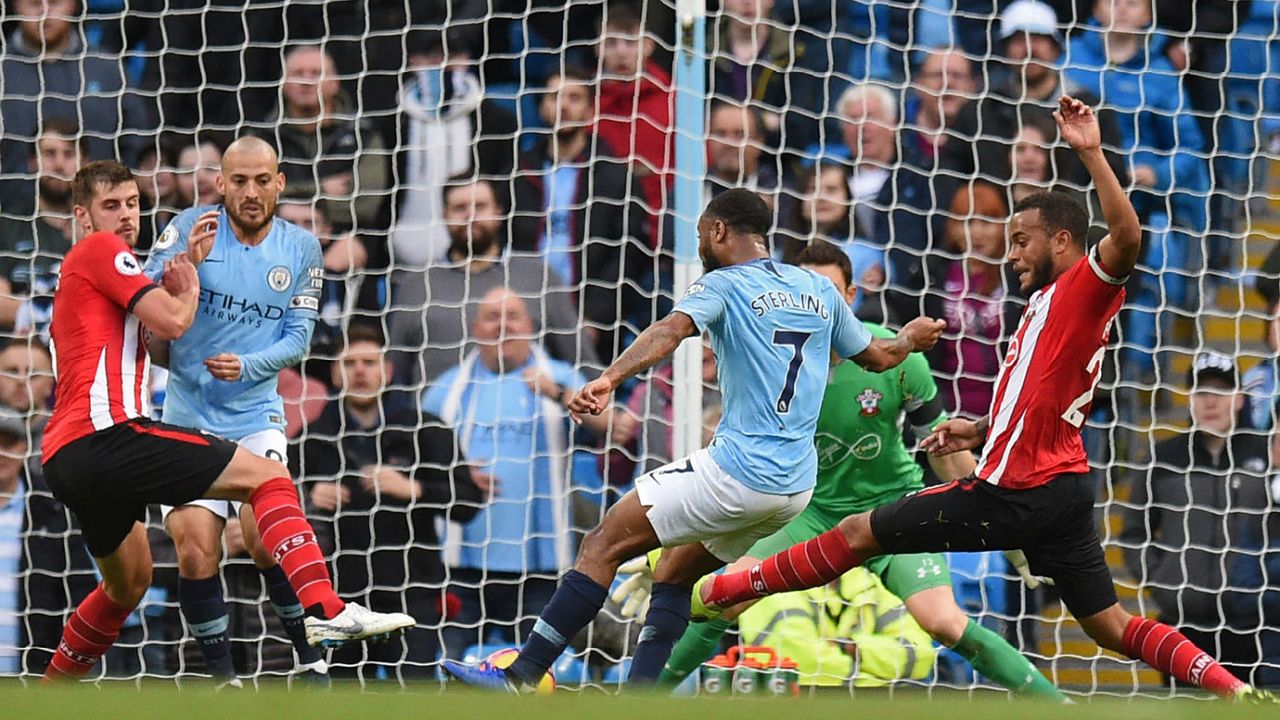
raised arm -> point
(658, 341)
(1118, 251)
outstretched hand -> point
(592, 399)
(923, 333)
(1077, 124)
(953, 436)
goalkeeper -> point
(863, 463)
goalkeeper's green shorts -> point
(903, 575)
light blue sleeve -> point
(433, 398)
(171, 242)
(564, 374)
(704, 301)
(849, 336)
(299, 320)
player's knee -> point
(857, 531)
(198, 557)
(946, 627)
(130, 586)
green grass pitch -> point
(165, 702)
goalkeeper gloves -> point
(1018, 560)
(632, 594)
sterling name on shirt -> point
(767, 302)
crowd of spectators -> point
(494, 199)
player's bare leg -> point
(677, 571)
(265, 484)
(96, 622)
(624, 533)
(197, 537)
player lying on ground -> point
(1032, 490)
(260, 280)
(773, 328)
(106, 461)
(863, 409)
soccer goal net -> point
(506, 193)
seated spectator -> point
(447, 129)
(852, 631)
(196, 165)
(1255, 582)
(432, 310)
(345, 257)
(780, 69)
(26, 385)
(47, 74)
(643, 431)
(156, 187)
(941, 86)
(577, 208)
(1205, 494)
(506, 401)
(891, 192)
(973, 300)
(985, 127)
(636, 103)
(33, 241)
(1032, 160)
(326, 152)
(735, 146)
(1261, 384)
(379, 473)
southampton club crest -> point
(869, 401)
(279, 278)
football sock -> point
(1170, 652)
(89, 633)
(695, 647)
(287, 535)
(290, 612)
(575, 603)
(205, 609)
(665, 622)
(996, 659)
(812, 563)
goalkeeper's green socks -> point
(997, 660)
(696, 646)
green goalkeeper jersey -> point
(862, 460)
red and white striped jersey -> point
(1046, 382)
(99, 353)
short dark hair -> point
(742, 211)
(29, 344)
(358, 332)
(749, 110)
(98, 175)
(624, 15)
(823, 253)
(577, 74)
(466, 179)
(1058, 211)
(63, 127)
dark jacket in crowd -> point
(371, 533)
(1189, 519)
(608, 227)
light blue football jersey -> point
(773, 328)
(259, 303)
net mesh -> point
(443, 151)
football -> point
(503, 658)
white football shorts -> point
(693, 500)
